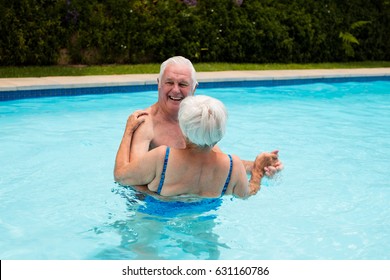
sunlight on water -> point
(59, 201)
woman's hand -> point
(135, 120)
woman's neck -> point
(196, 148)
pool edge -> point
(20, 88)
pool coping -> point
(19, 88)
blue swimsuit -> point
(165, 168)
(167, 209)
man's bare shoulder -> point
(145, 130)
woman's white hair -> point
(180, 60)
(202, 120)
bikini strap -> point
(163, 171)
(228, 177)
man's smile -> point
(175, 98)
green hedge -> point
(44, 32)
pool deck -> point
(69, 82)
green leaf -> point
(359, 24)
(348, 38)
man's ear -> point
(196, 86)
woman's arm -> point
(138, 171)
(123, 154)
(246, 189)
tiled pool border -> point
(66, 90)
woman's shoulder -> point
(162, 149)
(234, 158)
(238, 167)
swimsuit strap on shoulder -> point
(163, 171)
(228, 177)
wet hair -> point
(202, 120)
(180, 60)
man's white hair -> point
(202, 120)
(180, 60)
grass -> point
(83, 70)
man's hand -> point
(273, 165)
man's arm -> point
(248, 166)
(270, 171)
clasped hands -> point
(267, 164)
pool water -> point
(59, 200)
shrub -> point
(38, 32)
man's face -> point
(174, 86)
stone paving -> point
(14, 84)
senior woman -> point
(197, 170)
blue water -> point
(58, 199)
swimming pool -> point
(59, 201)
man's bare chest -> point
(169, 135)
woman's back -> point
(199, 172)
